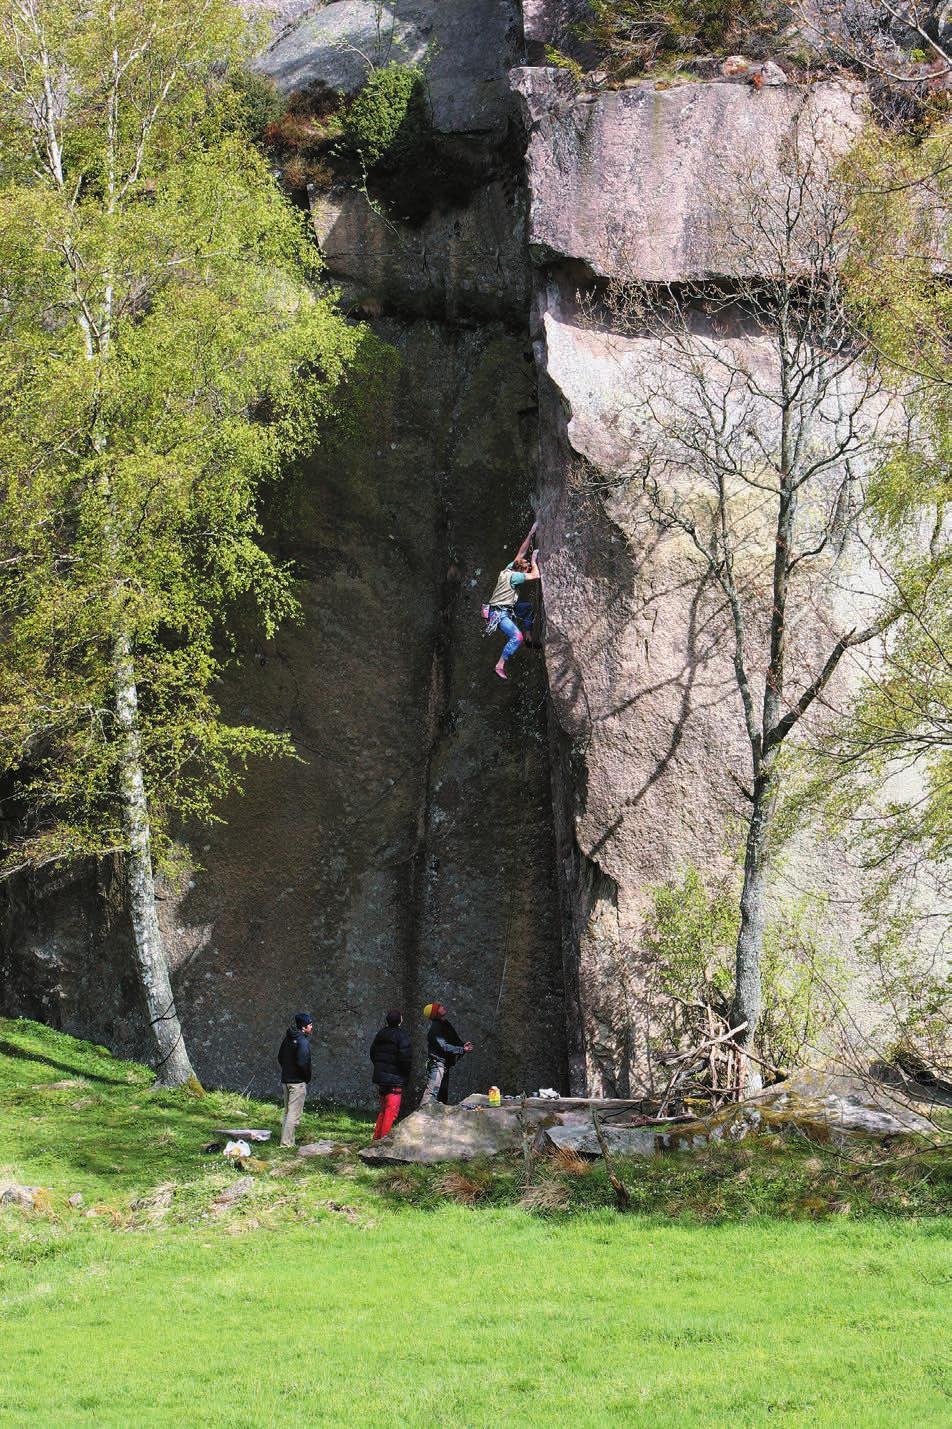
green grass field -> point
(340, 1295)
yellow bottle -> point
(495, 1098)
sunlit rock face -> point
(649, 750)
(468, 47)
(636, 182)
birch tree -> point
(757, 418)
(165, 352)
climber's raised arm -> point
(520, 554)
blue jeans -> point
(522, 610)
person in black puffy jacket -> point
(390, 1054)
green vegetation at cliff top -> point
(351, 1296)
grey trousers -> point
(437, 1083)
(294, 1094)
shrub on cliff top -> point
(635, 34)
(388, 120)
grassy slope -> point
(353, 1297)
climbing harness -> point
(492, 616)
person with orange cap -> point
(444, 1049)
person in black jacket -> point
(390, 1054)
(444, 1049)
(294, 1059)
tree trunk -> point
(753, 918)
(172, 1068)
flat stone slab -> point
(581, 1138)
(578, 1134)
(242, 1133)
(823, 1105)
(614, 1109)
(317, 1148)
(457, 1133)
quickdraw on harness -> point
(492, 616)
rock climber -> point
(505, 608)
(390, 1053)
(444, 1050)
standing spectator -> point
(444, 1050)
(294, 1059)
(390, 1054)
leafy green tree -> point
(901, 721)
(883, 773)
(165, 353)
(897, 283)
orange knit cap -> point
(434, 1009)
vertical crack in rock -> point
(433, 725)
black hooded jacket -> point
(294, 1056)
(390, 1054)
(443, 1042)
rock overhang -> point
(614, 176)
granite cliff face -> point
(447, 836)
(648, 739)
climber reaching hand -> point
(505, 608)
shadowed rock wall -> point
(409, 858)
(410, 855)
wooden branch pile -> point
(712, 1071)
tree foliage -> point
(886, 768)
(165, 354)
(882, 773)
(389, 120)
(691, 937)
